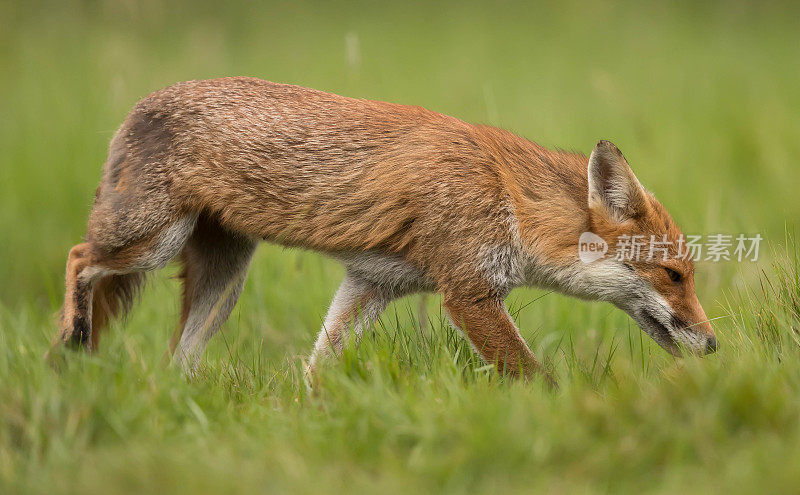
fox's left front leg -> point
(491, 330)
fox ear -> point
(612, 184)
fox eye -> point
(673, 275)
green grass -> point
(702, 100)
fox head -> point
(646, 271)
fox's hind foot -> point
(75, 326)
(102, 283)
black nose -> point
(711, 345)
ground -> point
(703, 101)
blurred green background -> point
(703, 98)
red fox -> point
(407, 199)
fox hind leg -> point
(114, 275)
(76, 315)
(215, 268)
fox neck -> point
(548, 194)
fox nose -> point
(711, 345)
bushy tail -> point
(113, 297)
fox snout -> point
(697, 338)
(701, 335)
(675, 334)
(703, 329)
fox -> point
(408, 200)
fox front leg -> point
(494, 335)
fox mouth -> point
(660, 333)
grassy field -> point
(703, 101)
